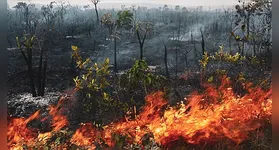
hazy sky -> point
(129, 2)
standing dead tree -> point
(95, 2)
(202, 43)
(166, 40)
(141, 35)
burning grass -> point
(216, 114)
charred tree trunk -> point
(42, 74)
(186, 61)
(230, 44)
(97, 14)
(39, 76)
(30, 72)
(166, 61)
(42, 92)
(94, 45)
(254, 41)
(248, 24)
(195, 49)
(141, 51)
(176, 61)
(243, 48)
(202, 43)
(115, 56)
(141, 42)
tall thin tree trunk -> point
(39, 78)
(248, 24)
(254, 42)
(30, 72)
(44, 79)
(186, 61)
(97, 14)
(243, 48)
(115, 58)
(176, 61)
(94, 45)
(166, 61)
(202, 43)
(230, 45)
(195, 50)
(141, 51)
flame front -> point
(218, 113)
(19, 134)
(215, 114)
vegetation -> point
(120, 57)
(27, 45)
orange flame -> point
(217, 113)
(83, 136)
(226, 115)
(58, 121)
(19, 134)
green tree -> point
(123, 21)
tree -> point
(49, 15)
(202, 43)
(27, 45)
(178, 38)
(135, 16)
(41, 77)
(166, 61)
(229, 17)
(95, 2)
(61, 12)
(164, 16)
(24, 12)
(166, 40)
(123, 21)
(177, 8)
(246, 12)
(141, 35)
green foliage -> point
(239, 68)
(94, 79)
(107, 20)
(140, 74)
(96, 89)
(204, 60)
(25, 45)
(26, 42)
(124, 19)
(222, 56)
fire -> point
(215, 114)
(58, 121)
(226, 115)
(20, 134)
(83, 136)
